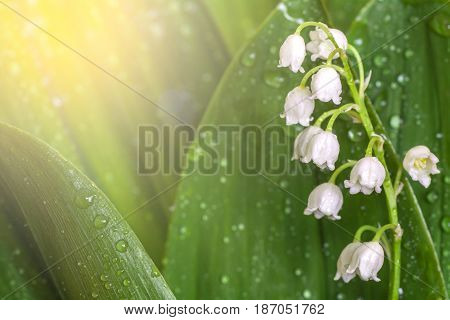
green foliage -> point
(60, 217)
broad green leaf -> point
(245, 236)
(86, 246)
(340, 13)
(238, 20)
(409, 88)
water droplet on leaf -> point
(122, 246)
(100, 221)
(273, 79)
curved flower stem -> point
(361, 230)
(315, 69)
(320, 25)
(345, 108)
(348, 164)
(381, 230)
(389, 191)
(333, 53)
(372, 141)
(330, 113)
(357, 56)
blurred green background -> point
(82, 76)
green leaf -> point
(88, 249)
(249, 239)
(341, 13)
(409, 88)
(238, 20)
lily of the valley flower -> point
(302, 141)
(321, 47)
(292, 53)
(344, 262)
(325, 200)
(326, 85)
(420, 164)
(367, 260)
(366, 176)
(299, 106)
(323, 150)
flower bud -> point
(326, 86)
(292, 53)
(321, 47)
(344, 262)
(299, 106)
(367, 260)
(367, 175)
(323, 150)
(301, 143)
(420, 163)
(325, 200)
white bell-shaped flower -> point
(325, 200)
(299, 106)
(367, 260)
(323, 150)
(292, 53)
(326, 85)
(301, 143)
(367, 175)
(420, 164)
(344, 261)
(321, 47)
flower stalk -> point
(370, 173)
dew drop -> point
(273, 79)
(94, 295)
(122, 245)
(409, 53)
(224, 279)
(307, 294)
(108, 285)
(100, 221)
(447, 179)
(248, 59)
(155, 274)
(84, 199)
(380, 60)
(440, 23)
(432, 197)
(395, 122)
(126, 282)
(355, 134)
(104, 277)
(298, 272)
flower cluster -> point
(321, 146)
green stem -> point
(320, 25)
(361, 230)
(315, 69)
(357, 56)
(391, 200)
(383, 229)
(348, 164)
(345, 108)
(372, 141)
